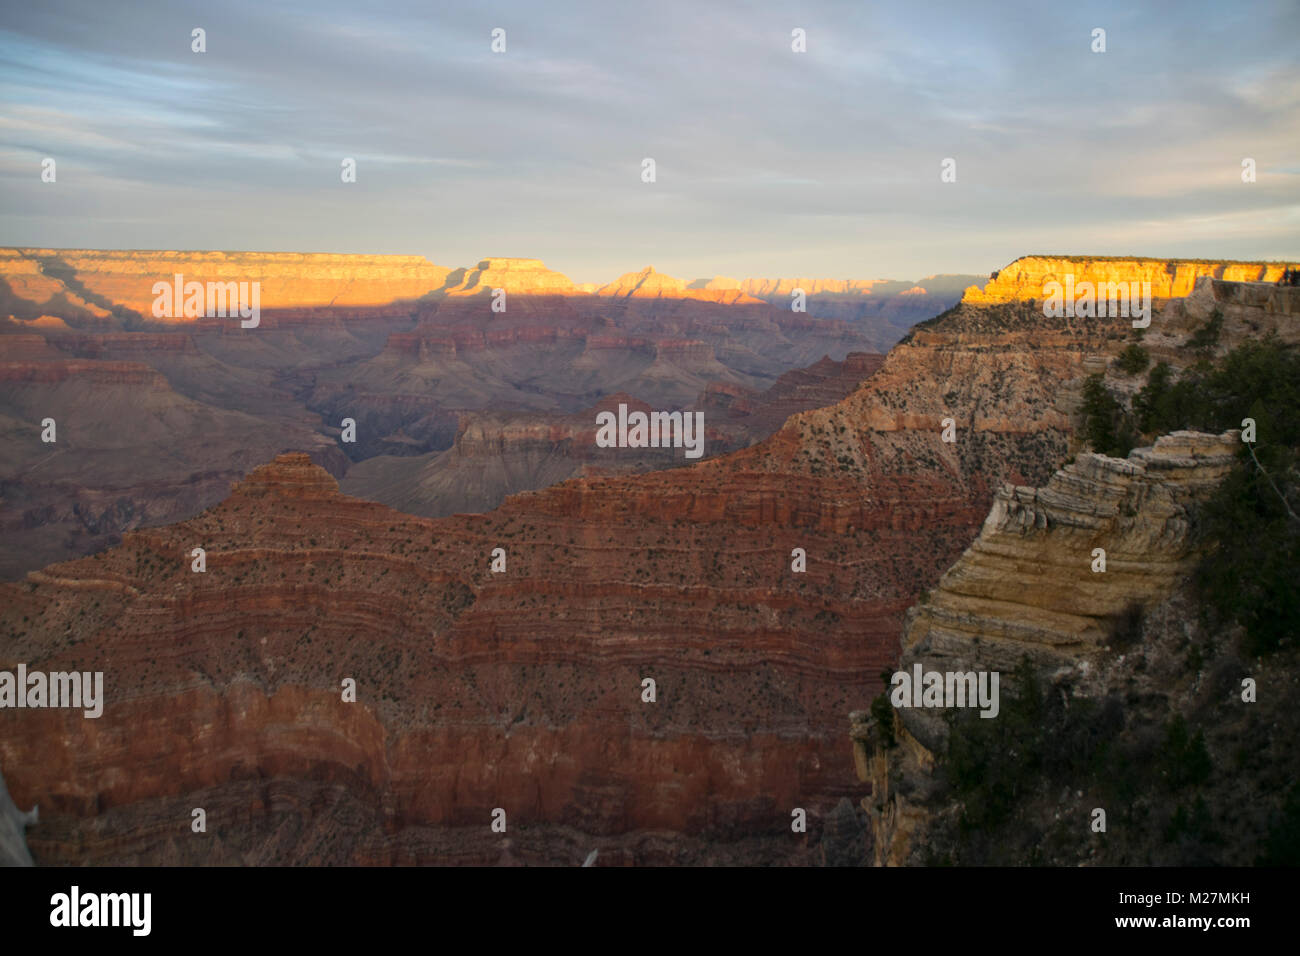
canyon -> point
(523, 689)
(410, 352)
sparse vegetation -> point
(1106, 426)
(1133, 359)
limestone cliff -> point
(100, 279)
(1086, 583)
(1024, 278)
(516, 276)
(1027, 588)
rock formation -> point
(1024, 279)
(498, 454)
(515, 276)
(98, 279)
(1059, 573)
(156, 418)
(522, 689)
(1027, 587)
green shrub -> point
(1133, 359)
(1105, 427)
(1206, 337)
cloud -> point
(769, 162)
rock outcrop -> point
(522, 689)
(1023, 280)
(515, 276)
(1030, 586)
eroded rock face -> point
(155, 418)
(498, 454)
(103, 278)
(522, 690)
(515, 276)
(1029, 586)
(1170, 278)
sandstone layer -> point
(1031, 586)
(107, 278)
(1024, 279)
(400, 347)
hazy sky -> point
(769, 162)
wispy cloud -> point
(769, 161)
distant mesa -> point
(516, 276)
(292, 475)
(1024, 278)
(649, 284)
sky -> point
(768, 162)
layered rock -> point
(1023, 279)
(882, 309)
(128, 450)
(401, 347)
(515, 276)
(522, 690)
(125, 278)
(648, 284)
(1030, 586)
(500, 454)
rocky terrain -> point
(1125, 690)
(411, 352)
(521, 689)
(882, 308)
(499, 454)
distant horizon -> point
(465, 264)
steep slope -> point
(128, 450)
(1129, 665)
(400, 346)
(1123, 652)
